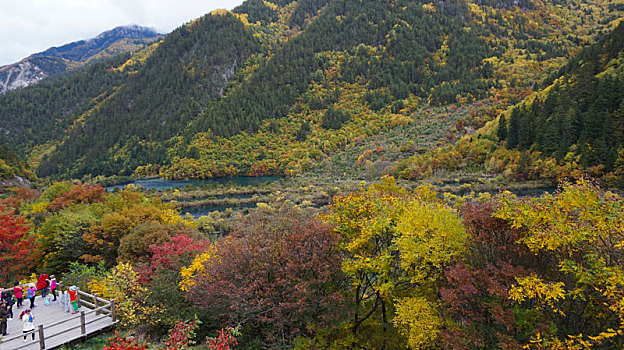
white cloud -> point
(29, 26)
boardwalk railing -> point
(99, 310)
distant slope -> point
(573, 126)
(42, 113)
(583, 107)
(70, 56)
(581, 114)
(13, 170)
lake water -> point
(163, 184)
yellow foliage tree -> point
(122, 285)
(197, 268)
(583, 231)
(418, 321)
(396, 245)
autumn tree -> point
(17, 248)
(161, 275)
(277, 274)
(79, 193)
(60, 237)
(396, 245)
(125, 211)
(584, 232)
(21, 195)
(122, 284)
(475, 291)
(136, 246)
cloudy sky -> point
(29, 26)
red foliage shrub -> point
(176, 253)
(180, 337)
(125, 343)
(278, 272)
(172, 255)
(78, 194)
(225, 339)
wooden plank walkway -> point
(58, 326)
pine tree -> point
(501, 132)
(514, 125)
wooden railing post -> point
(83, 325)
(78, 298)
(112, 310)
(41, 338)
(95, 302)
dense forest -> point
(295, 82)
(582, 112)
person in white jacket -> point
(29, 323)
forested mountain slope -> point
(581, 112)
(276, 87)
(572, 126)
(125, 39)
(172, 86)
(43, 112)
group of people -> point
(44, 284)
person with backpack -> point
(18, 291)
(8, 299)
(28, 320)
(30, 294)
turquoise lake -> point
(163, 184)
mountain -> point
(70, 56)
(278, 88)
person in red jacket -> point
(42, 284)
(73, 298)
(18, 290)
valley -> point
(332, 174)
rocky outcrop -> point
(15, 181)
(29, 71)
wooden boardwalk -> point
(56, 327)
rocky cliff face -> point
(60, 59)
(20, 75)
(29, 71)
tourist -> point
(4, 313)
(43, 283)
(8, 299)
(19, 294)
(30, 294)
(53, 286)
(29, 324)
(73, 298)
